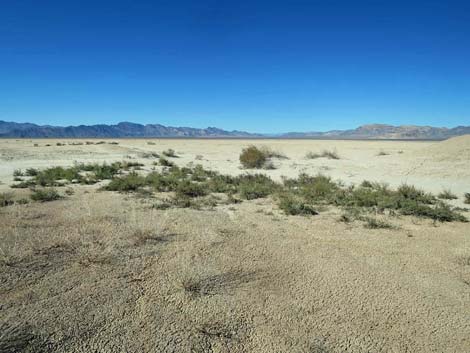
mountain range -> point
(133, 130)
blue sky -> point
(261, 66)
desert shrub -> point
(366, 184)
(18, 173)
(165, 162)
(382, 153)
(292, 205)
(374, 223)
(252, 157)
(447, 195)
(323, 154)
(126, 165)
(113, 143)
(255, 186)
(222, 183)
(410, 192)
(151, 143)
(6, 199)
(190, 189)
(51, 176)
(31, 172)
(440, 212)
(44, 195)
(198, 173)
(150, 155)
(129, 182)
(170, 153)
(313, 188)
(467, 198)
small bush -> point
(170, 153)
(467, 198)
(295, 206)
(323, 154)
(6, 199)
(252, 157)
(447, 195)
(190, 189)
(151, 143)
(44, 195)
(31, 172)
(256, 186)
(18, 173)
(130, 182)
(374, 223)
(165, 162)
(382, 153)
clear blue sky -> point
(261, 66)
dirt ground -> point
(106, 272)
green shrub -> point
(18, 173)
(6, 199)
(252, 157)
(255, 186)
(295, 205)
(31, 172)
(44, 195)
(129, 182)
(190, 189)
(447, 195)
(440, 212)
(410, 192)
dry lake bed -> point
(230, 267)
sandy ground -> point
(105, 272)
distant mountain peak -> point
(135, 130)
(122, 129)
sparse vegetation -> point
(467, 198)
(447, 195)
(374, 223)
(324, 154)
(305, 195)
(79, 173)
(6, 199)
(165, 162)
(382, 153)
(292, 205)
(170, 153)
(45, 195)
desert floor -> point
(106, 272)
